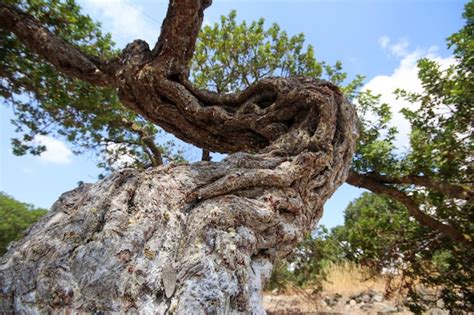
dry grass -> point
(343, 279)
(349, 278)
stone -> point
(352, 302)
(366, 307)
(377, 298)
(365, 298)
(437, 311)
(385, 308)
(440, 303)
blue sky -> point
(381, 39)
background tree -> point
(46, 101)
(307, 265)
(433, 179)
(379, 233)
(15, 218)
(181, 238)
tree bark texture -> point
(185, 239)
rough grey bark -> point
(197, 238)
(186, 239)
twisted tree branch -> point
(451, 190)
(175, 47)
(371, 183)
(64, 56)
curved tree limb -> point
(379, 187)
(175, 46)
(64, 56)
(154, 84)
(451, 190)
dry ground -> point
(342, 293)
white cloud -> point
(384, 41)
(405, 76)
(56, 151)
(397, 49)
(126, 21)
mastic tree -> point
(377, 166)
(431, 175)
(181, 238)
(15, 218)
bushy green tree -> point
(433, 178)
(15, 218)
(379, 233)
(230, 56)
(307, 266)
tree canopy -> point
(15, 218)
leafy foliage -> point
(379, 233)
(442, 125)
(371, 235)
(47, 102)
(15, 218)
(440, 153)
(307, 265)
(230, 56)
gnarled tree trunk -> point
(186, 239)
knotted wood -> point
(187, 239)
